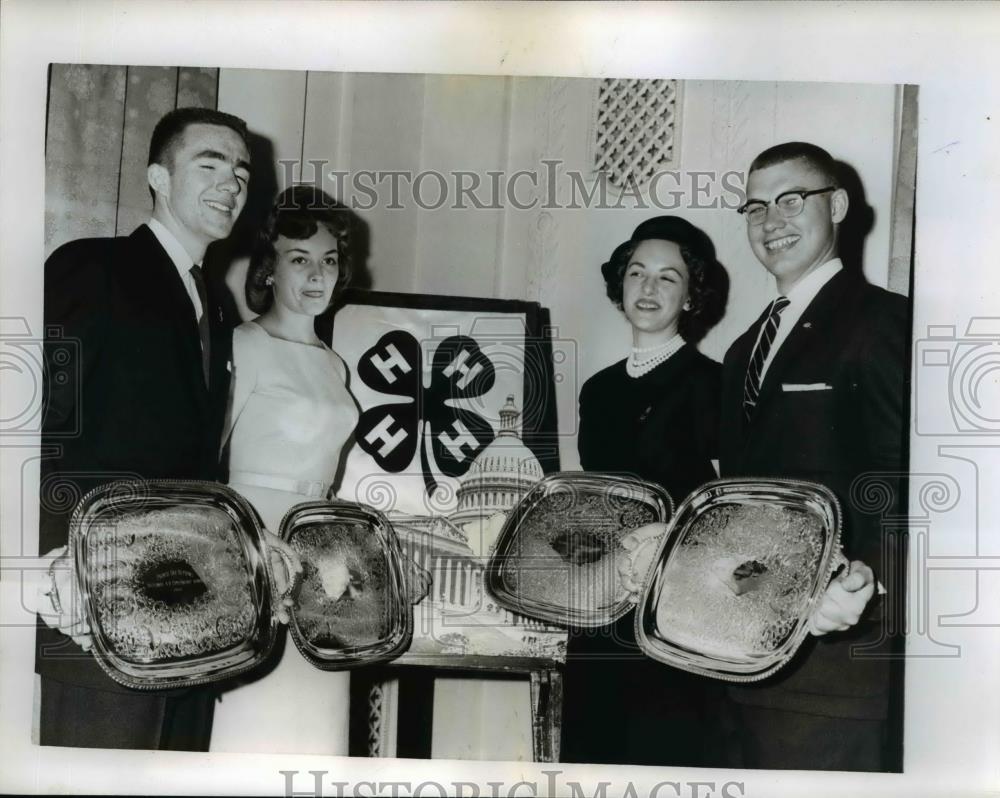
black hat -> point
(678, 230)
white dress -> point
(291, 414)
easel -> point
(392, 705)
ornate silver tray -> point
(175, 582)
(557, 556)
(353, 607)
(737, 576)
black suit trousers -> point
(82, 717)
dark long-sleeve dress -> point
(621, 707)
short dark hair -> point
(171, 127)
(708, 282)
(297, 213)
(817, 158)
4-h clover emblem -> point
(425, 416)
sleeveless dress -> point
(290, 417)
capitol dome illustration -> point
(499, 476)
(460, 615)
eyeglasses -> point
(789, 204)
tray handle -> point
(53, 591)
(293, 575)
(74, 622)
(840, 559)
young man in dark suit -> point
(153, 354)
(817, 389)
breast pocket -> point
(810, 433)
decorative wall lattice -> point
(635, 129)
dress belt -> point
(314, 490)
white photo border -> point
(952, 727)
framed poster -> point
(458, 420)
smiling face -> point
(201, 191)
(792, 248)
(654, 290)
(305, 273)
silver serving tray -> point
(175, 582)
(556, 557)
(353, 607)
(736, 578)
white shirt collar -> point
(182, 262)
(799, 298)
(174, 248)
(805, 290)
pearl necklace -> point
(655, 355)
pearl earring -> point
(269, 280)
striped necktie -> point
(199, 283)
(751, 387)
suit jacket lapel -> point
(745, 343)
(165, 289)
(734, 423)
(812, 325)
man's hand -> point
(639, 547)
(287, 569)
(59, 603)
(844, 601)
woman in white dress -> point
(291, 414)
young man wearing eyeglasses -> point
(818, 389)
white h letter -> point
(454, 445)
(390, 440)
(458, 364)
(386, 365)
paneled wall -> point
(100, 119)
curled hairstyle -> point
(818, 159)
(297, 214)
(708, 282)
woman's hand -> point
(844, 601)
(59, 603)
(287, 569)
(639, 547)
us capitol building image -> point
(461, 617)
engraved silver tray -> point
(556, 557)
(353, 607)
(175, 582)
(734, 581)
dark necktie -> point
(199, 284)
(751, 387)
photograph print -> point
(475, 417)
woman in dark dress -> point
(653, 415)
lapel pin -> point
(807, 326)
